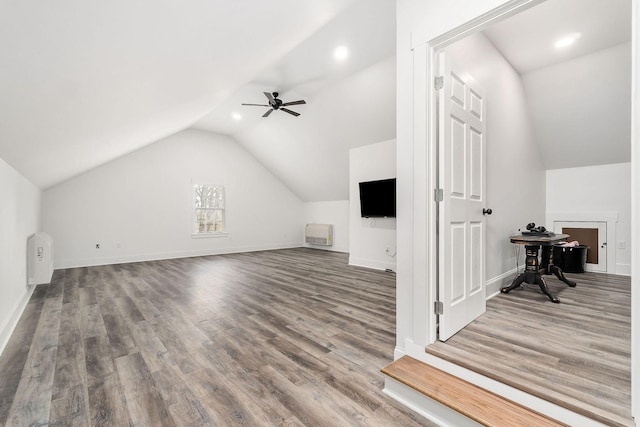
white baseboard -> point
(398, 352)
(493, 285)
(623, 269)
(327, 248)
(10, 325)
(371, 263)
(89, 262)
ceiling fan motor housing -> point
(276, 102)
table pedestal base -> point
(533, 272)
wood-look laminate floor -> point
(287, 337)
(576, 353)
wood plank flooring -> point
(287, 337)
(576, 354)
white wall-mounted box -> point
(319, 234)
(39, 259)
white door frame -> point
(635, 210)
(426, 56)
(424, 325)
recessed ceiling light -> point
(236, 116)
(567, 41)
(341, 53)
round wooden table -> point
(534, 269)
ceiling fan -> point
(277, 104)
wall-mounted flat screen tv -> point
(378, 198)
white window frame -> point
(201, 226)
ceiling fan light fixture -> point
(341, 53)
(276, 104)
(567, 40)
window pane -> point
(208, 209)
(200, 221)
(208, 196)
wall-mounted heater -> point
(319, 234)
(39, 259)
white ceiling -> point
(527, 39)
(349, 103)
(83, 83)
(579, 97)
(581, 109)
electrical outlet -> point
(97, 245)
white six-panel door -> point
(462, 152)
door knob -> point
(487, 211)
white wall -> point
(138, 207)
(372, 241)
(335, 213)
(19, 219)
(596, 190)
(516, 194)
(579, 123)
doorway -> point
(516, 177)
(516, 167)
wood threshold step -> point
(474, 402)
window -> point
(208, 210)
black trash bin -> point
(571, 259)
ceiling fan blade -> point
(258, 105)
(267, 113)
(294, 103)
(269, 97)
(293, 113)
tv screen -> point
(378, 198)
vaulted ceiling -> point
(579, 96)
(350, 103)
(84, 83)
